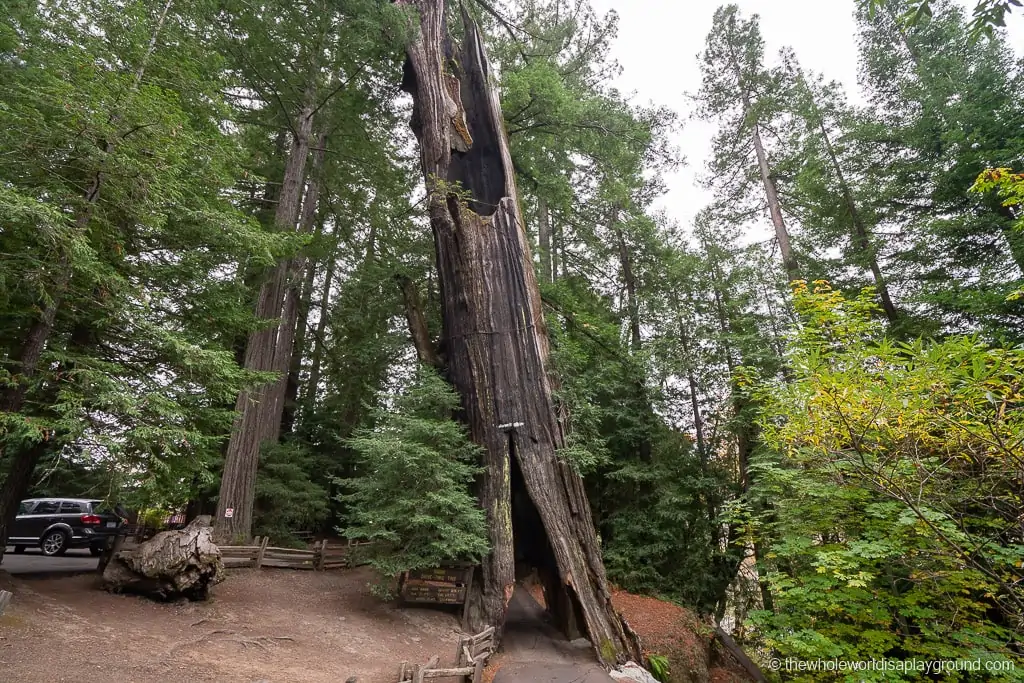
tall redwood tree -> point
(495, 348)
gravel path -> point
(535, 652)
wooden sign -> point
(445, 574)
(443, 595)
(440, 586)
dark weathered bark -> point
(300, 291)
(259, 416)
(495, 338)
(426, 349)
(544, 239)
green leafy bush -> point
(892, 475)
(411, 492)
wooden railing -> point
(322, 557)
(470, 659)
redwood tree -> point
(495, 346)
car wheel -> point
(54, 543)
(19, 549)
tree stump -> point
(183, 563)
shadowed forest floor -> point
(280, 626)
(268, 626)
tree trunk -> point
(629, 280)
(557, 245)
(789, 263)
(299, 294)
(496, 341)
(426, 350)
(775, 208)
(316, 357)
(860, 232)
(544, 239)
(691, 379)
(259, 416)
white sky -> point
(658, 44)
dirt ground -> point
(270, 626)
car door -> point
(45, 513)
(22, 527)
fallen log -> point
(182, 563)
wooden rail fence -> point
(322, 557)
(471, 658)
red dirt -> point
(272, 626)
(663, 627)
(673, 631)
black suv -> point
(56, 524)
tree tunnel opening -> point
(534, 558)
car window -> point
(101, 508)
(47, 507)
(70, 506)
(25, 506)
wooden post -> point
(465, 600)
(5, 599)
(421, 669)
(259, 553)
(736, 651)
(321, 555)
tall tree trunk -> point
(299, 294)
(771, 192)
(556, 248)
(774, 206)
(544, 239)
(257, 422)
(629, 280)
(691, 380)
(291, 391)
(860, 232)
(316, 356)
(496, 341)
(426, 350)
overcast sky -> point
(658, 44)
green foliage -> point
(659, 538)
(988, 15)
(411, 489)
(941, 112)
(659, 667)
(889, 465)
(288, 495)
(116, 211)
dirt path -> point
(533, 651)
(270, 626)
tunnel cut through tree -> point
(494, 346)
